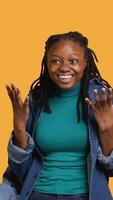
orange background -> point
(25, 25)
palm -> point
(102, 109)
(20, 108)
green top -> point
(64, 144)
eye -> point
(73, 61)
(55, 61)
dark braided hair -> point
(43, 88)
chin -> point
(66, 86)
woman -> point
(61, 146)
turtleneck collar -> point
(66, 93)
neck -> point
(64, 93)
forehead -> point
(66, 47)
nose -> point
(65, 67)
(64, 70)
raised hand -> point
(20, 114)
(102, 109)
(103, 112)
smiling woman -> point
(66, 63)
(66, 122)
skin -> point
(64, 58)
(103, 112)
(20, 115)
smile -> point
(66, 76)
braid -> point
(43, 88)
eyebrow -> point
(54, 55)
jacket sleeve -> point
(7, 191)
(105, 161)
(20, 159)
(17, 154)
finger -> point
(104, 95)
(97, 99)
(13, 91)
(9, 91)
(26, 101)
(10, 94)
(18, 95)
(90, 104)
(110, 96)
(96, 96)
(19, 101)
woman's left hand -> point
(102, 109)
(103, 112)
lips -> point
(64, 76)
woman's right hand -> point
(20, 115)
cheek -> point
(52, 69)
(79, 69)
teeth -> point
(65, 76)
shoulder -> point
(95, 82)
(98, 84)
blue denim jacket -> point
(27, 164)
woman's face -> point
(66, 63)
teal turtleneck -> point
(64, 145)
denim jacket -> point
(27, 164)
